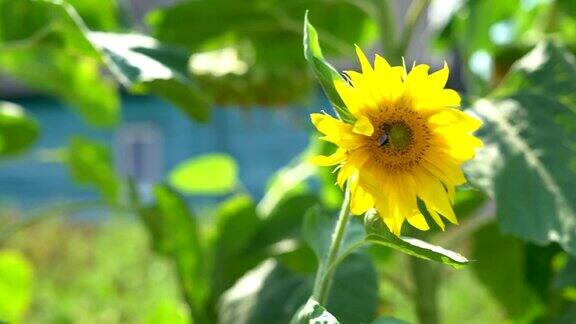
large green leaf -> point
(360, 301)
(267, 34)
(268, 294)
(206, 174)
(16, 279)
(90, 163)
(377, 233)
(353, 296)
(175, 233)
(141, 63)
(17, 129)
(204, 24)
(318, 229)
(284, 221)
(528, 159)
(297, 175)
(48, 39)
(236, 225)
(271, 293)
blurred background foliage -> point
(163, 257)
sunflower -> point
(407, 142)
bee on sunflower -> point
(407, 143)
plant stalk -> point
(325, 270)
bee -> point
(383, 139)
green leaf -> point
(18, 130)
(318, 228)
(99, 14)
(271, 293)
(16, 277)
(528, 161)
(175, 233)
(268, 294)
(377, 233)
(289, 180)
(210, 174)
(141, 63)
(312, 312)
(167, 311)
(502, 268)
(324, 72)
(285, 220)
(353, 296)
(48, 38)
(90, 163)
(275, 73)
(349, 300)
(236, 225)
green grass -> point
(105, 273)
(97, 273)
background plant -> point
(517, 217)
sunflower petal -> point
(336, 158)
(363, 126)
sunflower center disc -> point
(397, 135)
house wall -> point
(261, 140)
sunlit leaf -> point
(210, 174)
(273, 294)
(267, 37)
(285, 220)
(141, 63)
(236, 225)
(528, 160)
(175, 233)
(48, 39)
(16, 276)
(377, 233)
(90, 163)
(17, 129)
(167, 312)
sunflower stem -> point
(326, 270)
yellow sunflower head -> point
(408, 142)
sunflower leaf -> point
(325, 73)
(141, 63)
(529, 132)
(377, 233)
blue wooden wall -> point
(261, 140)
